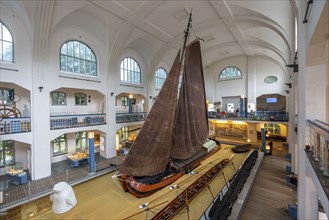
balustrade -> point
(130, 117)
(71, 121)
(15, 125)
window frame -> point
(131, 75)
(58, 104)
(124, 133)
(270, 79)
(5, 93)
(2, 26)
(61, 140)
(7, 145)
(75, 56)
(159, 78)
(229, 77)
(79, 136)
(124, 100)
(272, 128)
(83, 95)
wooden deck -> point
(270, 193)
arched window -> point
(130, 71)
(160, 77)
(76, 57)
(58, 98)
(230, 72)
(6, 44)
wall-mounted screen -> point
(271, 100)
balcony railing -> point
(130, 117)
(257, 116)
(72, 121)
(15, 125)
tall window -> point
(124, 133)
(80, 99)
(6, 44)
(124, 100)
(7, 153)
(59, 145)
(77, 57)
(80, 141)
(58, 98)
(230, 72)
(130, 71)
(160, 77)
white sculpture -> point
(63, 198)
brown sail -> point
(173, 139)
(191, 124)
(151, 150)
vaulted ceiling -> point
(155, 28)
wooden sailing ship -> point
(174, 137)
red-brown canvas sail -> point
(151, 150)
(191, 124)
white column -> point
(251, 80)
(40, 148)
(311, 203)
(301, 105)
(292, 124)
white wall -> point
(263, 68)
(21, 153)
(316, 92)
(94, 106)
(227, 88)
(22, 65)
(260, 67)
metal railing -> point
(77, 120)
(257, 116)
(17, 194)
(15, 125)
(130, 117)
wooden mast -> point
(186, 32)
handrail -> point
(72, 115)
(132, 113)
(319, 126)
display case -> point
(78, 158)
(16, 173)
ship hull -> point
(132, 185)
(146, 186)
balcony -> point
(256, 116)
(130, 117)
(316, 149)
(15, 125)
(76, 120)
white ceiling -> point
(155, 28)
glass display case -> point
(78, 158)
(16, 173)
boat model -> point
(174, 137)
(241, 148)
